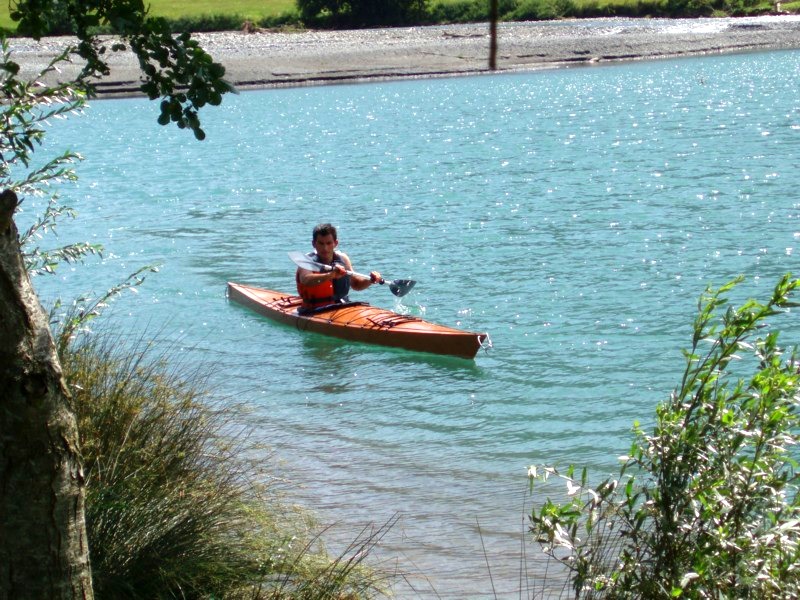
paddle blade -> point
(400, 287)
(303, 261)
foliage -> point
(707, 505)
(173, 508)
(541, 10)
(23, 119)
(23, 129)
(464, 11)
(185, 15)
(468, 11)
(175, 68)
(207, 22)
(361, 13)
(39, 260)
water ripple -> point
(575, 215)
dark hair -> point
(324, 229)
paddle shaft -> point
(328, 268)
(398, 287)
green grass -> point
(253, 10)
(209, 15)
(250, 9)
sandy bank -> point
(269, 59)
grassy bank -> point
(176, 505)
(207, 15)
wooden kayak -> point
(361, 322)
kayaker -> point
(329, 287)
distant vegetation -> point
(208, 15)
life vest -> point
(326, 292)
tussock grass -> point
(174, 510)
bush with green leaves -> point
(535, 10)
(706, 505)
(361, 13)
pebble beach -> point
(265, 59)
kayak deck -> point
(361, 322)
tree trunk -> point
(43, 548)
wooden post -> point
(493, 34)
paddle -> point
(399, 287)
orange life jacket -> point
(315, 296)
(327, 292)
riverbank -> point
(270, 59)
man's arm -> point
(359, 282)
(307, 277)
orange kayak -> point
(360, 322)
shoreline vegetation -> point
(177, 505)
(197, 16)
(283, 43)
(265, 58)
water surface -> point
(575, 215)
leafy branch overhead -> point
(174, 67)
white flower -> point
(572, 488)
(561, 538)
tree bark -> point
(43, 547)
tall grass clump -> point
(706, 504)
(174, 509)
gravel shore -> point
(269, 59)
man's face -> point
(325, 245)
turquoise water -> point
(576, 215)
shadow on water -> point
(326, 349)
(330, 351)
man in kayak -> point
(329, 287)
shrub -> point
(57, 18)
(173, 510)
(361, 13)
(540, 10)
(705, 506)
(196, 24)
(287, 20)
(469, 11)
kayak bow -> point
(361, 322)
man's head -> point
(325, 241)
(324, 229)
